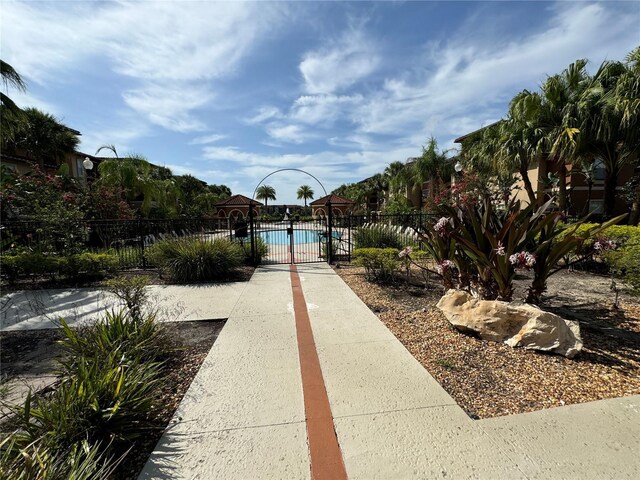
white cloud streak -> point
(340, 64)
(171, 50)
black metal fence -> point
(126, 238)
(373, 230)
(327, 238)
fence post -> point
(349, 238)
(330, 234)
(252, 233)
(141, 231)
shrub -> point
(109, 381)
(132, 291)
(32, 264)
(378, 237)
(91, 264)
(194, 260)
(262, 250)
(625, 263)
(380, 264)
(29, 264)
(492, 244)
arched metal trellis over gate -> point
(295, 238)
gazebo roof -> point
(237, 200)
(335, 200)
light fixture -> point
(87, 164)
(458, 167)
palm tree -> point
(10, 78)
(43, 137)
(432, 166)
(306, 193)
(609, 127)
(266, 193)
(556, 116)
(398, 177)
(134, 177)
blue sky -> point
(230, 92)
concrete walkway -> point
(248, 412)
(40, 309)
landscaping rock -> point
(516, 324)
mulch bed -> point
(489, 379)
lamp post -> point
(88, 166)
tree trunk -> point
(527, 185)
(610, 183)
(585, 210)
(542, 175)
(562, 188)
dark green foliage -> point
(76, 266)
(109, 381)
(261, 250)
(378, 237)
(380, 264)
(195, 260)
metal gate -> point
(293, 241)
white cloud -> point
(289, 133)
(332, 168)
(322, 110)
(340, 64)
(263, 114)
(473, 76)
(165, 47)
(214, 137)
(169, 106)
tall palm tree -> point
(10, 77)
(43, 137)
(133, 176)
(398, 175)
(266, 193)
(609, 129)
(305, 193)
(432, 166)
(556, 115)
(11, 116)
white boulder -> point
(516, 324)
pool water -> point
(280, 237)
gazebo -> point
(236, 207)
(339, 205)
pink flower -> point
(523, 260)
(441, 226)
(500, 250)
(604, 244)
(406, 251)
(444, 266)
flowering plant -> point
(523, 260)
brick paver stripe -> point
(326, 457)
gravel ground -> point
(490, 379)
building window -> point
(598, 170)
(80, 171)
(596, 206)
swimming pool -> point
(280, 237)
